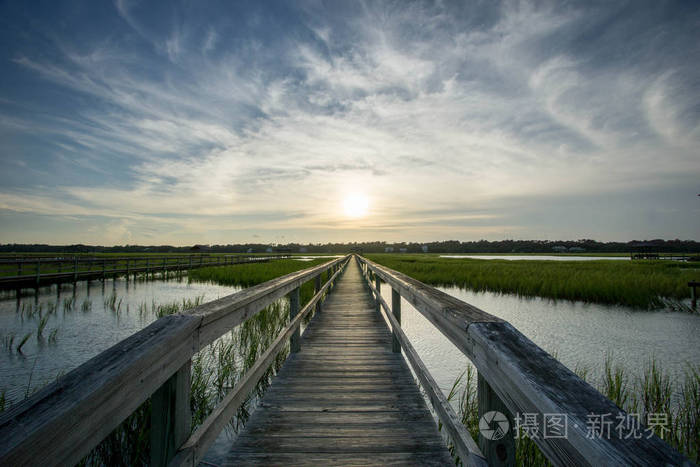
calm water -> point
(578, 334)
(539, 257)
(86, 322)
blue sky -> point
(224, 122)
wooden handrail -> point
(62, 422)
(528, 380)
(198, 443)
(467, 450)
(82, 269)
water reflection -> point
(578, 334)
(78, 323)
(539, 257)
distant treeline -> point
(450, 246)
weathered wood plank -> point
(469, 453)
(329, 444)
(335, 459)
(498, 450)
(528, 380)
(344, 394)
(170, 416)
(195, 447)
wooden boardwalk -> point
(345, 398)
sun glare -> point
(356, 205)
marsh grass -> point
(639, 284)
(247, 275)
(23, 341)
(651, 393)
(8, 342)
(215, 370)
(41, 326)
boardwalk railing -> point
(515, 376)
(34, 272)
(61, 423)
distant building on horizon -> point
(389, 249)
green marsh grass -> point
(250, 274)
(8, 342)
(41, 326)
(652, 392)
(23, 341)
(218, 367)
(639, 284)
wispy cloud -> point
(224, 114)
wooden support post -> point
(75, 269)
(19, 268)
(693, 294)
(396, 310)
(498, 448)
(317, 287)
(148, 267)
(170, 416)
(38, 271)
(378, 285)
(295, 340)
(127, 270)
(60, 263)
(190, 261)
(104, 269)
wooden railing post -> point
(396, 310)
(295, 340)
(127, 270)
(38, 271)
(498, 447)
(75, 269)
(170, 416)
(317, 287)
(377, 285)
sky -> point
(215, 122)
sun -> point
(356, 205)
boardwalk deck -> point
(345, 398)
